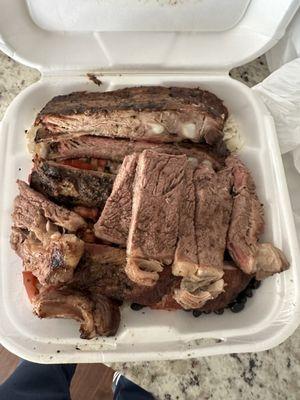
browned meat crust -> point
(142, 113)
(71, 186)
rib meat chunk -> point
(235, 282)
(36, 204)
(50, 255)
(71, 186)
(52, 261)
(154, 223)
(154, 113)
(117, 149)
(100, 316)
(113, 224)
(102, 270)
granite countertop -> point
(269, 375)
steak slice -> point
(154, 223)
(212, 215)
(117, 149)
(205, 224)
(186, 254)
(37, 205)
(152, 113)
(100, 316)
(102, 270)
(71, 186)
(247, 224)
(113, 224)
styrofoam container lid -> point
(147, 35)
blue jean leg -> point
(38, 382)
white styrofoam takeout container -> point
(133, 56)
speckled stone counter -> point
(270, 375)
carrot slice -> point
(30, 282)
(87, 212)
(78, 164)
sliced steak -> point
(154, 113)
(186, 254)
(71, 186)
(247, 221)
(212, 215)
(37, 205)
(113, 224)
(247, 224)
(154, 223)
(117, 149)
(202, 276)
(102, 270)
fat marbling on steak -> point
(155, 113)
(246, 226)
(116, 149)
(114, 221)
(71, 186)
(154, 223)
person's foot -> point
(124, 389)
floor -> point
(91, 381)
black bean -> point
(219, 312)
(136, 307)
(197, 313)
(207, 312)
(242, 298)
(248, 292)
(237, 307)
